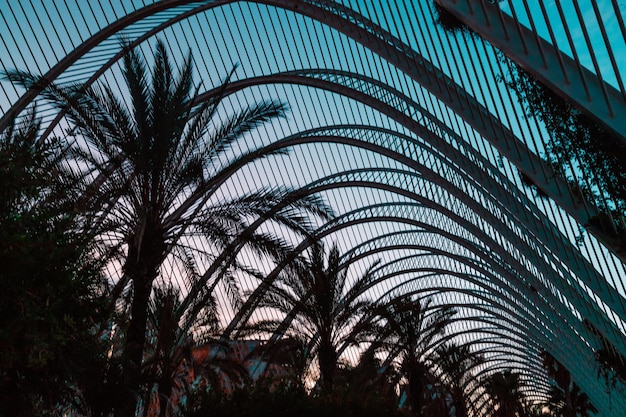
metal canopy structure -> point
(406, 132)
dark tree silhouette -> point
(158, 160)
(411, 329)
(331, 311)
(51, 303)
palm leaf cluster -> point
(324, 306)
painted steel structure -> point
(406, 132)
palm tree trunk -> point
(327, 358)
(132, 355)
(165, 392)
(459, 402)
(142, 268)
(416, 390)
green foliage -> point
(264, 399)
(611, 363)
(448, 21)
(579, 148)
(51, 303)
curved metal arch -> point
(387, 38)
(562, 345)
(245, 311)
(375, 33)
(396, 219)
(521, 328)
(498, 343)
(370, 172)
(583, 305)
(485, 319)
(400, 191)
(523, 313)
(374, 37)
(98, 38)
(539, 57)
(481, 283)
(480, 279)
(525, 305)
(305, 138)
(543, 228)
(524, 365)
(380, 219)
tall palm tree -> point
(505, 390)
(456, 362)
(158, 159)
(411, 330)
(325, 306)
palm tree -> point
(505, 390)
(171, 363)
(456, 362)
(411, 330)
(573, 404)
(169, 356)
(158, 160)
(331, 312)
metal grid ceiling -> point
(404, 130)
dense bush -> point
(263, 399)
(51, 300)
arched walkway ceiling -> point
(424, 99)
(415, 155)
(503, 291)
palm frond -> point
(241, 123)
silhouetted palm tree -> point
(158, 160)
(457, 361)
(411, 330)
(575, 404)
(170, 364)
(504, 388)
(325, 306)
